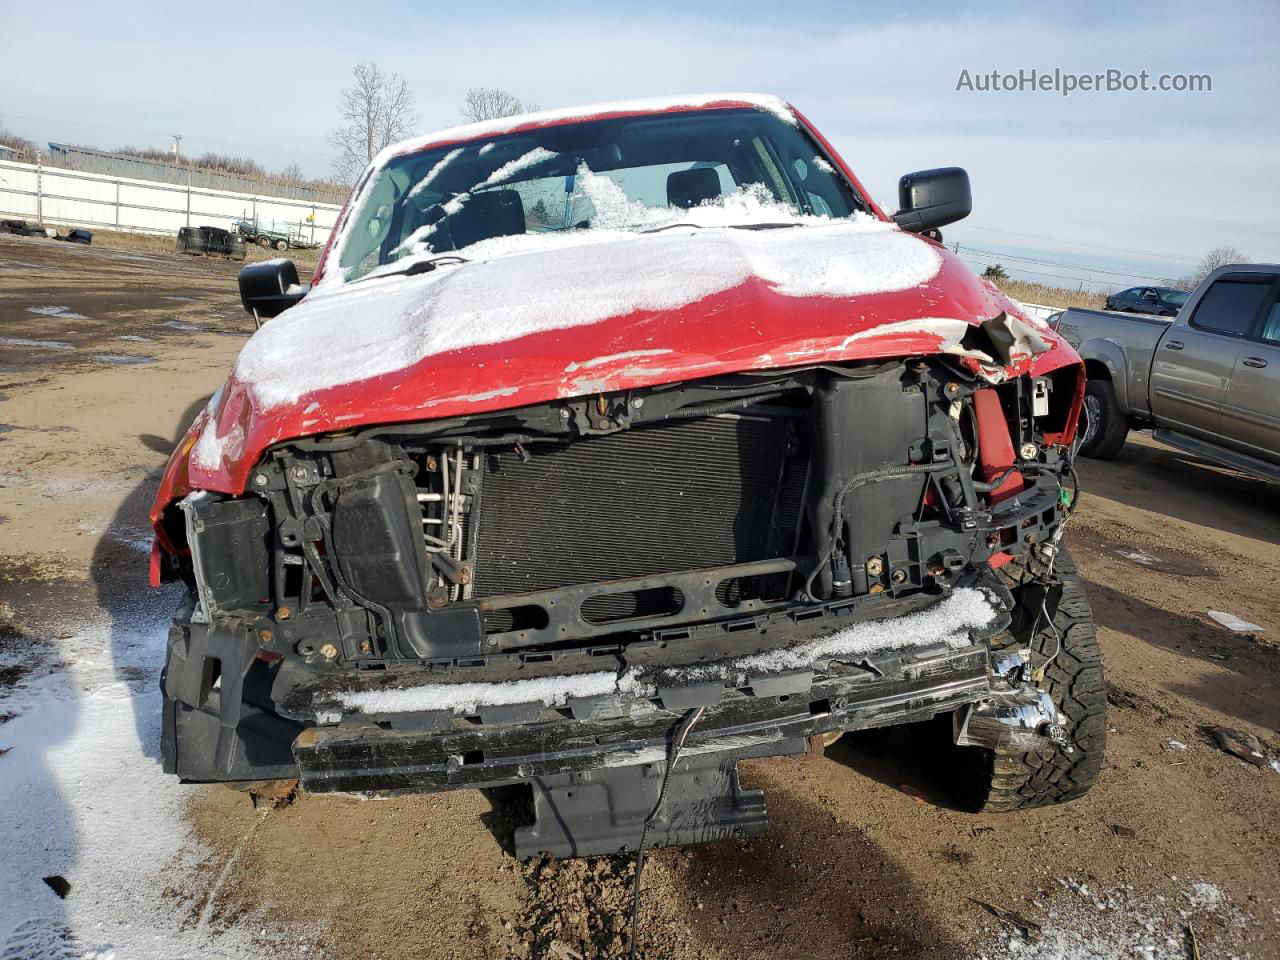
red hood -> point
(542, 323)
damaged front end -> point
(538, 595)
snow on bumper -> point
(868, 674)
(947, 623)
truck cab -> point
(1209, 374)
(1208, 381)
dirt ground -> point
(105, 354)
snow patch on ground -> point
(1137, 556)
(36, 344)
(1088, 924)
(1204, 895)
(64, 313)
(123, 359)
(84, 798)
(388, 324)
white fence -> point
(52, 195)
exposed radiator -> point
(650, 500)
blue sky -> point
(1130, 183)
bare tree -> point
(25, 149)
(1211, 261)
(483, 103)
(376, 110)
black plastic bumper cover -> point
(362, 757)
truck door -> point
(1196, 357)
(1251, 410)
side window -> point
(1132, 293)
(1231, 305)
(1271, 328)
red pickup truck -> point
(609, 447)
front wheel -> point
(264, 243)
(1103, 427)
(1067, 645)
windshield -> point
(739, 167)
(1175, 297)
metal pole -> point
(188, 194)
(39, 187)
(117, 204)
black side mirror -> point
(933, 198)
(270, 288)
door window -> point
(1271, 329)
(1231, 305)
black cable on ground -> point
(678, 738)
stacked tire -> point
(192, 240)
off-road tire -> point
(1105, 439)
(991, 781)
(282, 244)
(264, 242)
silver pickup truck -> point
(1207, 381)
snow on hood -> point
(521, 285)
(535, 318)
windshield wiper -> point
(426, 266)
(731, 226)
(764, 226)
(420, 266)
(672, 226)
